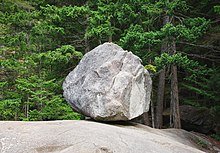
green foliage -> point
(215, 111)
(21, 4)
(136, 35)
(100, 20)
(9, 109)
(54, 109)
(64, 56)
(33, 66)
(140, 42)
(111, 18)
(217, 9)
(197, 72)
(216, 137)
(201, 143)
(190, 29)
(39, 94)
(181, 61)
(151, 68)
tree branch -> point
(214, 48)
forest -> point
(41, 41)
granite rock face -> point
(90, 137)
(109, 84)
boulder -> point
(109, 84)
(92, 137)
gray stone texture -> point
(90, 137)
(109, 84)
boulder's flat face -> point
(90, 137)
(109, 84)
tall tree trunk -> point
(87, 49)
(161, 85)
(110, 38)
(146, 119)
(152, 111)
(160, 99)
(27, 107)
(174, 92)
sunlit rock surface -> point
(109, 84)
(91, 137)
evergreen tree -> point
(31, 82)
(175, 29)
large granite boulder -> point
(109, 84)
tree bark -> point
(87, 47)
(161, 85)
(174, 92)
(27, 107)
(110, 38)
(152, 111)
(146, 119)
(160, 99)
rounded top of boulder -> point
(110, 45)
(109, 84)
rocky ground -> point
(93, 137)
